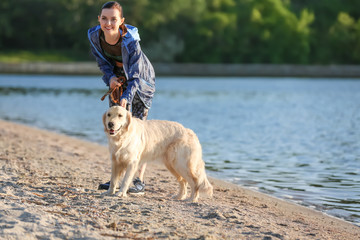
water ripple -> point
(293, 138)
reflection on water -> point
(292, 138)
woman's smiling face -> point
(110, 21)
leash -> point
(113, 92)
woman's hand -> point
(123, 102)
(114, 82)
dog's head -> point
(117, 119)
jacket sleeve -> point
(134, 66)
(105, 66)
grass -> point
(21, 56)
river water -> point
(294, 138)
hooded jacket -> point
(139, 72)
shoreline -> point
(193, 69)
(49, 190)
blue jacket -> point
(139, 72)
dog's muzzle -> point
(112, 131)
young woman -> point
(116, 48)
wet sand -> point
(49, 191)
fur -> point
(133, 141)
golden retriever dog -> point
(133, 141)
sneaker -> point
(139, 188)
(104, 186)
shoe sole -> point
(138, 193)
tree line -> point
(202, 31)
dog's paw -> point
(192, 200)
(121, 194)
(107, 193)
(179, 196)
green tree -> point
(345, 39)
(163, 24)
(258, 31)
(46, 25)
(215, 36)
(279, 36)
(326, 15)
(209, 31)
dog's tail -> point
(204, 185)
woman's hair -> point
(116, 5)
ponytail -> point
(123, 29)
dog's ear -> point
(103, 119)
(128, 120)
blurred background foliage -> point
(199, 31)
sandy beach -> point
(49, 191)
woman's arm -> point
(105, 66)
(134, 66)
